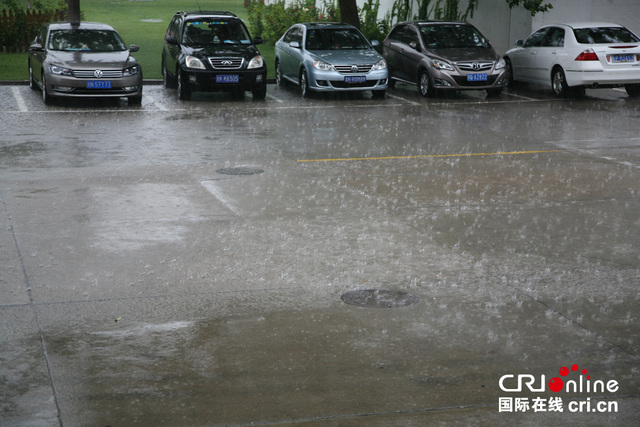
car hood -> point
(79, 59)
(245, 50)
(336, 57)
(459, 55)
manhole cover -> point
(372, 298)
(239, 171)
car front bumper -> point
(481, 80)
(332, 81)
(207, 81)
(68, 86)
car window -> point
(335, 39)
(602, 35)
(174, 27)
(293, 35)
(451, 36)
(536, 38)
(86, 40)
(554, 38)
(410, 36)
(214, 31)
(398, 33)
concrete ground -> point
(196, 263)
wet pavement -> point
(336, 261)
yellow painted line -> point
(431, 156)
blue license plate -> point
(98, 84)
(477, 77)
(355, 79)
(623, 58)
(227, 78)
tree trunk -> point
(348, 12)
(74, 10)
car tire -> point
(32, 82)
(167, 81)
(425, 87)
(378, 94)
(559, 83)
(135, 100)
(184, 94)
(46, 96)
(511, 83)
(259, 94)
(494, 93)
(633, 90)
(304, 84)
(280, 81)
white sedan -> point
(571, 57)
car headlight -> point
(322, 66)
(441, 65)
(380, 65)
(256, 62)
(131, 71)
(501, 64)
(61, 71)
(193, 62)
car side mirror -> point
(36, 47)
(171, 40)
(295, 44)
(520, 43)
(375, 43)
(134, 48)
(257, 40)
(414, 45)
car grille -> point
(344, 85)
(353, 69)
(103, 74)
(226, 63)
(475, 66)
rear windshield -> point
(86, 40)
(214, 31)
(451, 36)
(335, 39)
(603, 35)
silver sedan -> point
(329, 57)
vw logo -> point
(476, 66)
(97, 73)
(354, 68)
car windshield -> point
(602, 35)
(86, 40)
(454, 36)
(214, 31)
(335, 39)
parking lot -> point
(339, 260)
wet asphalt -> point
(337, 261)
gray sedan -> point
(329, 57)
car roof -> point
(585, 24)
(206, 13)
(423, 22)
(325, 25)
(81, 25)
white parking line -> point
(402, 99)
(156, 103)
(275, 98)
(22, 107)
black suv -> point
(212, 51)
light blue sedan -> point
(330, 57)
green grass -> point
(141, 22)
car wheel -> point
(184, 94)
(559, 83)
(304, 84)
(46, 97)
(633, 90)
(510, 80)
(391, 83)
(424, 84)
(494, 92)
(166, 78)
(135, 100)
(279, 80)
(378, 94)
(32, 83)
(260, 93)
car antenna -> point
(199, 7)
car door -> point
(38, 54)
(412, 54)
(392, 51)
(547, 54)
(172, 50)
(524, 62)
(291, 49)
